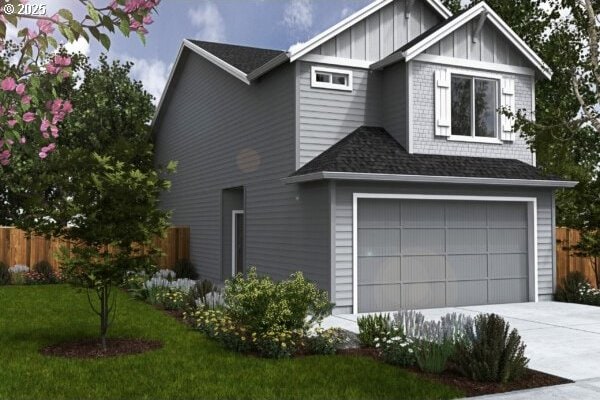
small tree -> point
(589, 246)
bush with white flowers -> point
(398, 350)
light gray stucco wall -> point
(227, 134)
(343, 228)
(422, 100)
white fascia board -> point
(167, 86)
(242, 76)
(338, 61)
(353, 19)
(358, 176)
(467, 16)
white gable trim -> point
(242, 76)
(353, 19)
(467, 16)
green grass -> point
(188, 366)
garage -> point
(413, 253)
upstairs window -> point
(474, 105)
(329, 78)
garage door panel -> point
(379, 297)
(508, 291)
(466, 214)
(423, 268)
(422, 214)
(466, 267)
(467, 241)
(507, 240)
(508, 265)
(373, 270)
(424, 295)
(381, 214)
(466, 293)
(423, 241)
(378, 242)
(507, 215)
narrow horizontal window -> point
(328, 78)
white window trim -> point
(234, 213)
(465, 73)
(531, 224)
(324, 85)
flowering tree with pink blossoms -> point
(32, 66)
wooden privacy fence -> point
(17, 248)
(566, 258)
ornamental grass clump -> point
(489, 353)
(17, 274)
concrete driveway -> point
(562, 339)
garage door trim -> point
(532, 228)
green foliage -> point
(489, 353)
(205, 294)
(44, 268)
(569, 288)
(374, 326)
(263, 305)
(217, 325)
(589, 247)
(4, 274)
(185, 269)
(433, 357)
(397, 350)
(324, 341)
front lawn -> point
(188, 366)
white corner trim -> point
(474, 65)
(242, 76)
(409, 129)
(348, 22)
(532, 201)
(468, 15)
(338, 61)
(325, 85)
(234, 213)
(474, 139)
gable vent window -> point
(329, 78)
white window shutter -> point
(508, 101)
(442, 103)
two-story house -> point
(374, 158)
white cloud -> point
(79, 46)
(209, 20)
(296, 46)
(152, 73)
(346, 11)
(298, 15)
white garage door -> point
(425, 253)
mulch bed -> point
(93, 348)
(532, 379)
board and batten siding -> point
(382, 33)
(326, 116)
(343, 229)
(422, 102)
(489, 46)
(226, 134)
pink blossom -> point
(28, 117)
(44, 125)
(67, 107)
(26, 100)
(54, 131)
(20, 89)
(31, 34)
(52, 69)
(10, 142)
(42, 154)
(12, 122)
(23, 140)
(45, 26)
(46, 135)
(8, 84)
(51, 147)
(148, 20)
(62, 61)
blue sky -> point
(274, 24)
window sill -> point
(472, 139)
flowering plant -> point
(397, 350)
(324, 341)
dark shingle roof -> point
(373, 150)
(246, 59)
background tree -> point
(100, 188)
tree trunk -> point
(104, 310)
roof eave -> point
(361, 176)
(269, 66)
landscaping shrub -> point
(185, 269)
(206, 295)
(17, 274)
(4, 274)
(397, 350)
(570, 288)
(42, 273)
(433, 356)
(217, 325)
(489, 353)
(371, 327)
(262, 305)
(44, 268)
(277, 343)
(324, 341)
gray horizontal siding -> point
(381, 33)
(326, 116)
(343, 229)
(209, 120)
(422, 102)
(490, 46)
